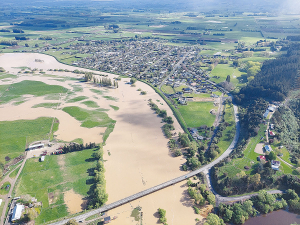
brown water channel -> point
(280, 217)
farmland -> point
(49, 181)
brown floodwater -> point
(280, 217)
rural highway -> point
(123, 201)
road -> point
(6, 201)
(123, 201)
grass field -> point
(167, 89)
(38, 179)
(89, 118)
(15, 134)
(35, 88)
(197, 114)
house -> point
(261, 157)
(182, 101)
(275, 165)
(268, 148)
(107, 220)
(272, 126)
(187, 90)
(17, 212)
(271, 133)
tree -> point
(162, 113)
(184, 140)
(228, 78)
(272, 156)
(227, 215)
(133, 80)
(194, 163)
(213, 219)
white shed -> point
(43, 158)
(17, 212)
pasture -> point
(14, 135)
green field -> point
(222, 70)
(167, 89)
(14, 135)
(56, 175)
(196, 114)
(89, 118)
(35, 88)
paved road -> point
(163, 185)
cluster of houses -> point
(274, 164)
(149, 59)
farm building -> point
(268, 148)
(275, 165)
(36, 146)
(17, 212)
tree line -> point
(74, 147)
(98, 196)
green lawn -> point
(167, 89)
(89, 118)
(197, 114)
(90, 104)
(38, 179)
(15, 134)
(35, 88)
